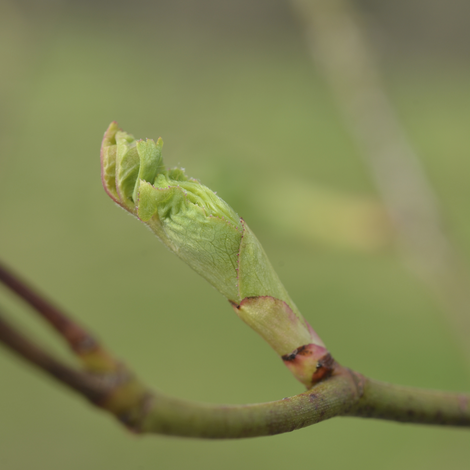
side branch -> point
(91, 388)
(81, 342)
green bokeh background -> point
(237, 100)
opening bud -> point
(205, 232)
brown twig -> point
(82, 343)
(78, 339)
(82, 382)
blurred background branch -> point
(339, 45)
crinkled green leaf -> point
(207, 243)
(108, 161)
(127, 168)
(150, 161)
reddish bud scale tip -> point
(310, 363)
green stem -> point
(346, 393)
(412, 405)
(327, 399)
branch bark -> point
(91, 388)
(411, 405)
(110, 385)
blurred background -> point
(232, 89)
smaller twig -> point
(81, 382)
(82, 343)
(76, 336)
